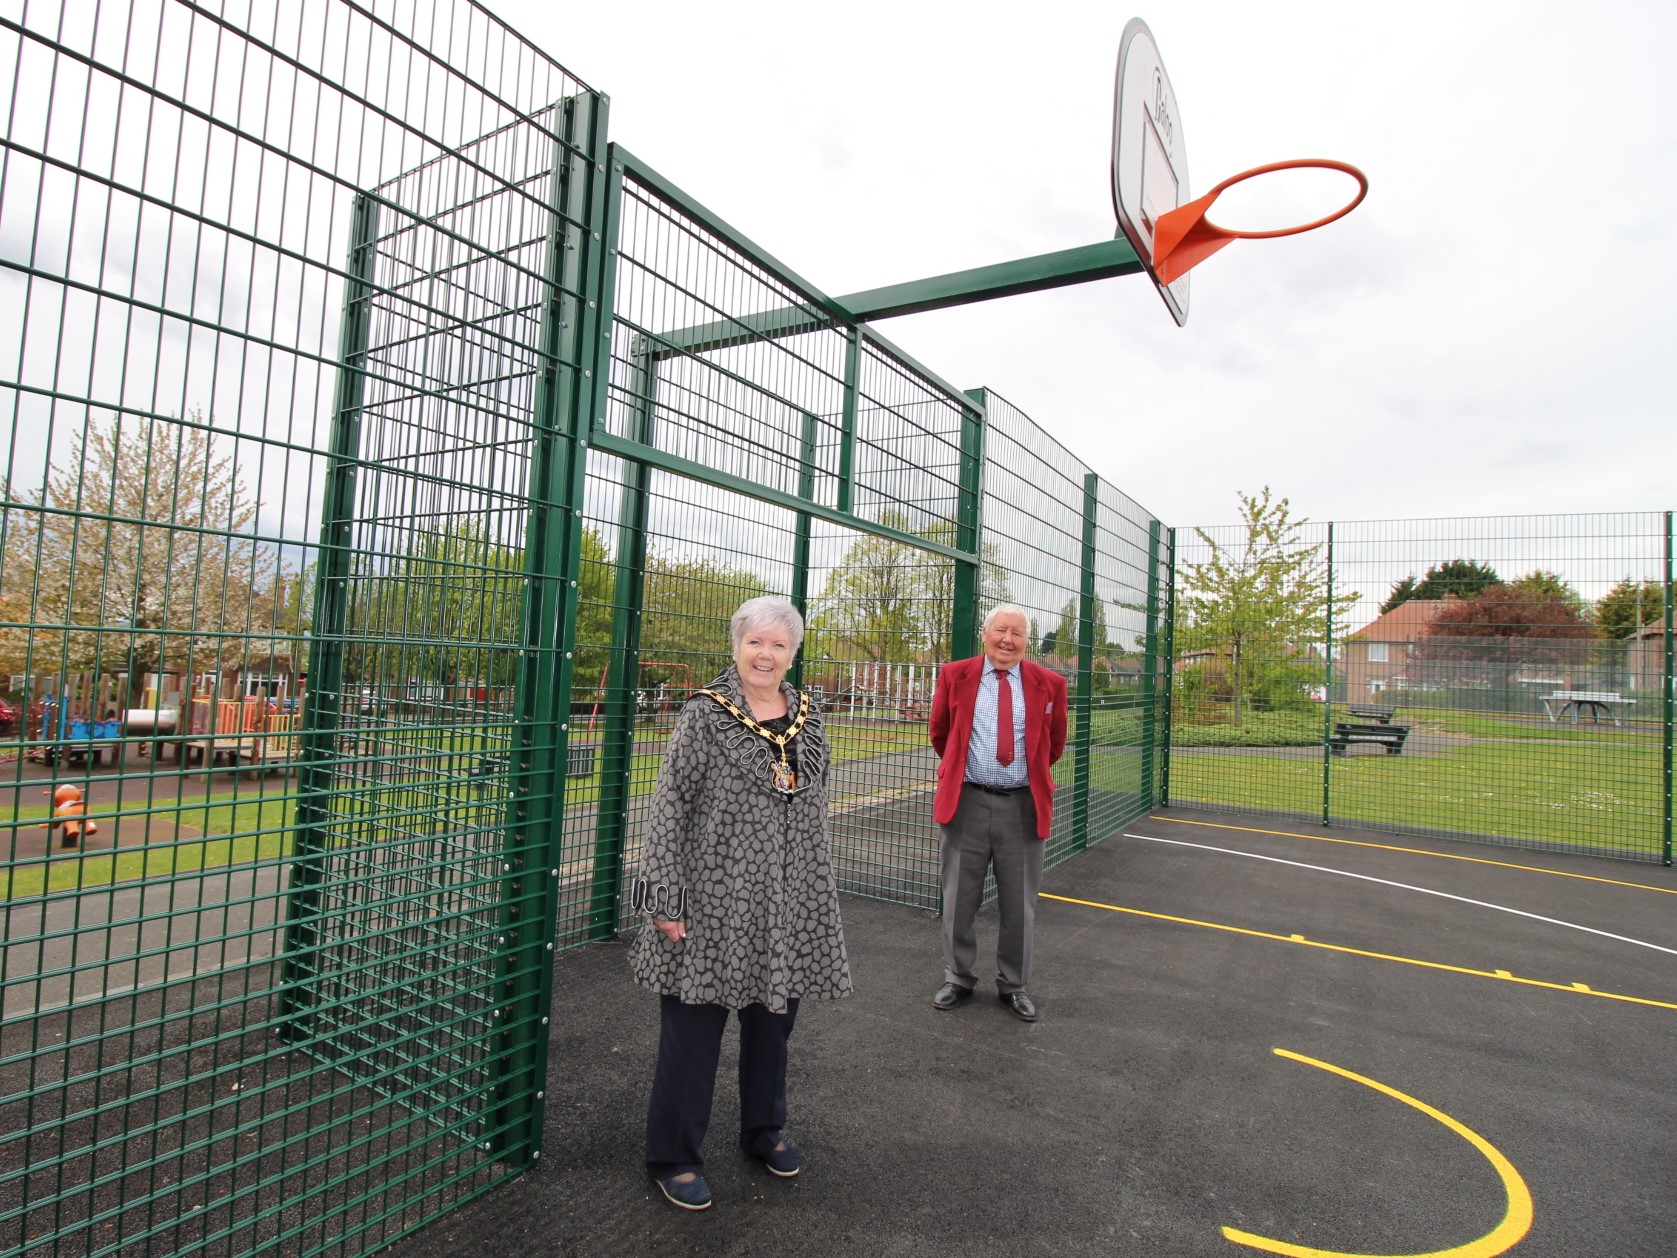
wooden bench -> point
(1380, 712)
(1347, 732)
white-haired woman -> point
(737, 881)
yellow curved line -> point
(1515, 1223)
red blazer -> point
(1045, 734)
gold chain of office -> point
(784, 778)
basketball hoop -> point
(1184, 237)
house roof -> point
(1649, 631)
(1407, 622)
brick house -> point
(1376, 657)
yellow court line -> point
(1578, 989)
(1416, 851)
(1516, 1220)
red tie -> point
(1004, 719)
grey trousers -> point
(991, 831)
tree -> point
(1261, 606)
(1455, 578)
(1546, 584)
(1628, 607)
(1401, 593)
(1062, 639)
(890, 601)
(1508, 623)
(687, 601)
(137, 553)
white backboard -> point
(1149, 155)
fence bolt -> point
(540, 1095)
(544, 1021)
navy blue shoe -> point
(686, 1193)
(782, 1159)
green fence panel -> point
(1503, 679)
(385, 456)
(296, 378)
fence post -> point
(574, 349)
(1082, 754)
(617, 738)
(800, 539)
(969, 530)
(1327, 694)
(321, 708)
(1150, 670)
(1169, 697)
(1668, 694)
(847, 429)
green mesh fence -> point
(288, 398)
(385, 457)
(1506, 679)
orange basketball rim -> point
(1184, 237)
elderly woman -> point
(738, 883)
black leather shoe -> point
(1020, 1006)
(949, 995)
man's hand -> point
(675, 932)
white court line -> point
(1404, 886)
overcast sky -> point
(1487, 334)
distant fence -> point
(1527, 660)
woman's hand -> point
(675, 932)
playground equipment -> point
(72, 738)
(69, 811)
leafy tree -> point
(1455, 578)
(1546, 584)
(890, 601)
(1520, 622)
(687, 602)
(1630, 606)
(136, 554)
(455, 591)
(1401, 593)
(1062, 639)
(1260, 607)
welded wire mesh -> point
(1502, 678)
(203, 218)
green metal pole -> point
(321, 711)
(969, 531)
(1150, 670)
(1668, 691)
(1170, 670)
(569, 392)
(801, 540)
(1083, 758)
(1327, 694)
(622, 679)
(847, 429)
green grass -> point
(1566, 792)
(259, 832)
(1491, 725)
(238, 829)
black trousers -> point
(689, 1045)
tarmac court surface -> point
(1256, 1037)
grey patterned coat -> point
(762, 902)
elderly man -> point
(998, 725)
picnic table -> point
(1559, 702)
